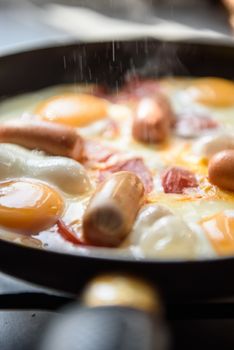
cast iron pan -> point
(107, 63)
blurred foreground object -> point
(33, 23)
(119, 312)
(229, 4)
(121, 290)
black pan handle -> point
(120, 313)
(106, 328)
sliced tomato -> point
(68, 233)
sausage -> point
(112, 209)
(152, 120)
(221, 170)
(49, 137)
(176, 179)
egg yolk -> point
(28, 207)
(220, 232)
(216, 92)
(75, 110)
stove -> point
(26, 310)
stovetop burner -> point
(25, 311)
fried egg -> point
(65, 173)
(29, 206)
(214, 92)
(73, 109)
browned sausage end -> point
(112, 210)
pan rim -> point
(199, 42)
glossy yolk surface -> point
(214, 92)
(220, 231)
(28, 207)
(73, 109)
